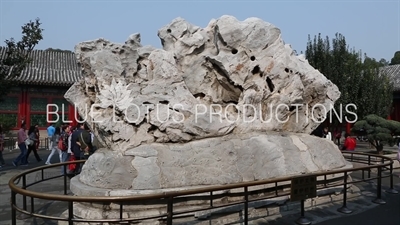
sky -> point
(370, 26)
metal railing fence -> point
(371, 166)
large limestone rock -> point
(217, 105)
(213, 161)
(230, 77)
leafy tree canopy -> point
(355, 74)
(7, 123)
(378, 130)
(57, 50)
(396, 58)
(16, 57)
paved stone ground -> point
(365, 212)
(51, 186)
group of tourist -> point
(70, 143)
(27, 143)
(349, 142)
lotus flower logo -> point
(115, 95)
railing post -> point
(369, 170)
(369, 163)
(344, 208)
(391, 190)
(13, 210)
(379, 199)
(246, 206)
(121, 211)
(362, 175)
(70, 213)
(32, 205)
(24, 196)
(65, 179)
(169, 211)
(302, 220)
(211, 199)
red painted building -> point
(41, 88)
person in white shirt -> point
(327, 134)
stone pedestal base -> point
(142, 209)
(159, 168)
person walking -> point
(50, 132)
(2, 163)
(327, 134)
(38, 136)
(32, 134)
(63, 145)
(54, 145)
(349, 143)
(21, 137)
(85, 142)
(338, 136)
(71, 131)
(319, 132)
(71, 156)
(75, 147)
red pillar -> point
(72, 115)
(389, 117)
(27, 107)
(23, 109)
(348, 127)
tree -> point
(354, 74)
(383, 62)
(7, 123)
(396, 58)
(16, 57)
(57, 50)
(377, 100)
(378, 130)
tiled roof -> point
(56, 68)
(393, 72)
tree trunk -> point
(379, 149)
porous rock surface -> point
(240, 71)
(222, 104)
(212, 161)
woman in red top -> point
(349, 143)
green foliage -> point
(383, 62)
(396, 58)
(7, 123)
(57, 50)
(357, 76)
(17, 56)
(378, 130)
(377, 100)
